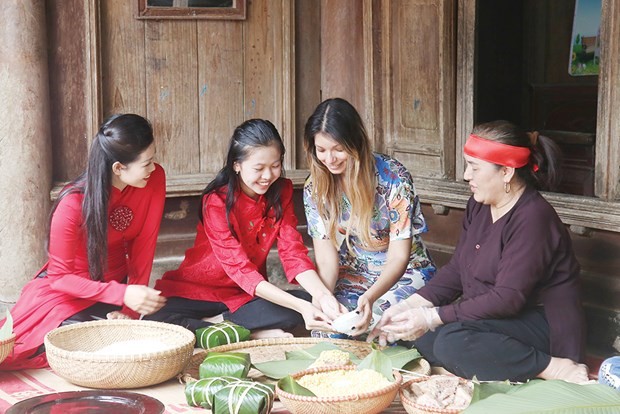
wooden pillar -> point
(25, 144)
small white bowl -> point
(346, 323)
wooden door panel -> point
(416, 47)
(220, 89)
(196, 80)
(172, 93)
(122, 59)
(418, 99)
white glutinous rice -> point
(133, 347)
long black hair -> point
(122, 138)
(543, 171)
(341, 122)
(252, 134)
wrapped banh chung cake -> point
(225, 364)
(200, 393)
(244, 397)
(222, 333)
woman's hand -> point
(143, 299)
(364, 308)
(398, 323)
(329, 305)
(117, 315)
(314, 318)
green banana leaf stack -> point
(224, 388)
(200, 393)
(225, 364)
(244, 397)
(222, 333)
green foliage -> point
(401, 356)
(538, 396)
(282, 368)
(244, 397)
(394, 357)
(379, 362)
(288, 384)
(314, 352)
(200, 393)
(221, 364)
(222, 333)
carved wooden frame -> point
(236, 12)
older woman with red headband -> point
(507, 305)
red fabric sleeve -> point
(66, 237)
(291, 249)
(228, 250)
(142, 249)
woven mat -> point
(20, 385)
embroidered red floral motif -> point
(120, 218)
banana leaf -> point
(7, 329)
(484, 390)
(244, 397)
(200, 393)
(314, 352)
(288, 384)
(222, 333)
(549, 397)
(298, 360)
(225, 364)
(379, 362)
(280, 369)
(401, 356)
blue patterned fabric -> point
(397, 215)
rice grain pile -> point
(332, 357)
(341, 383)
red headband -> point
(496, 152)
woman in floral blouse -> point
(363, 215)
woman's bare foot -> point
(565, 369)
(270, 333)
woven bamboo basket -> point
(6, 347)
(407, 398)
(362, 403)
(71, 353)
(274, 349)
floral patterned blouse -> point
(397, 215)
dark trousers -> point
(491, 350)
(256, 314)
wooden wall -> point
(194, 79)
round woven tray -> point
(273, 349)
(71, 353)
(6, 347)
(357, 402)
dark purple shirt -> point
(522, 260)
